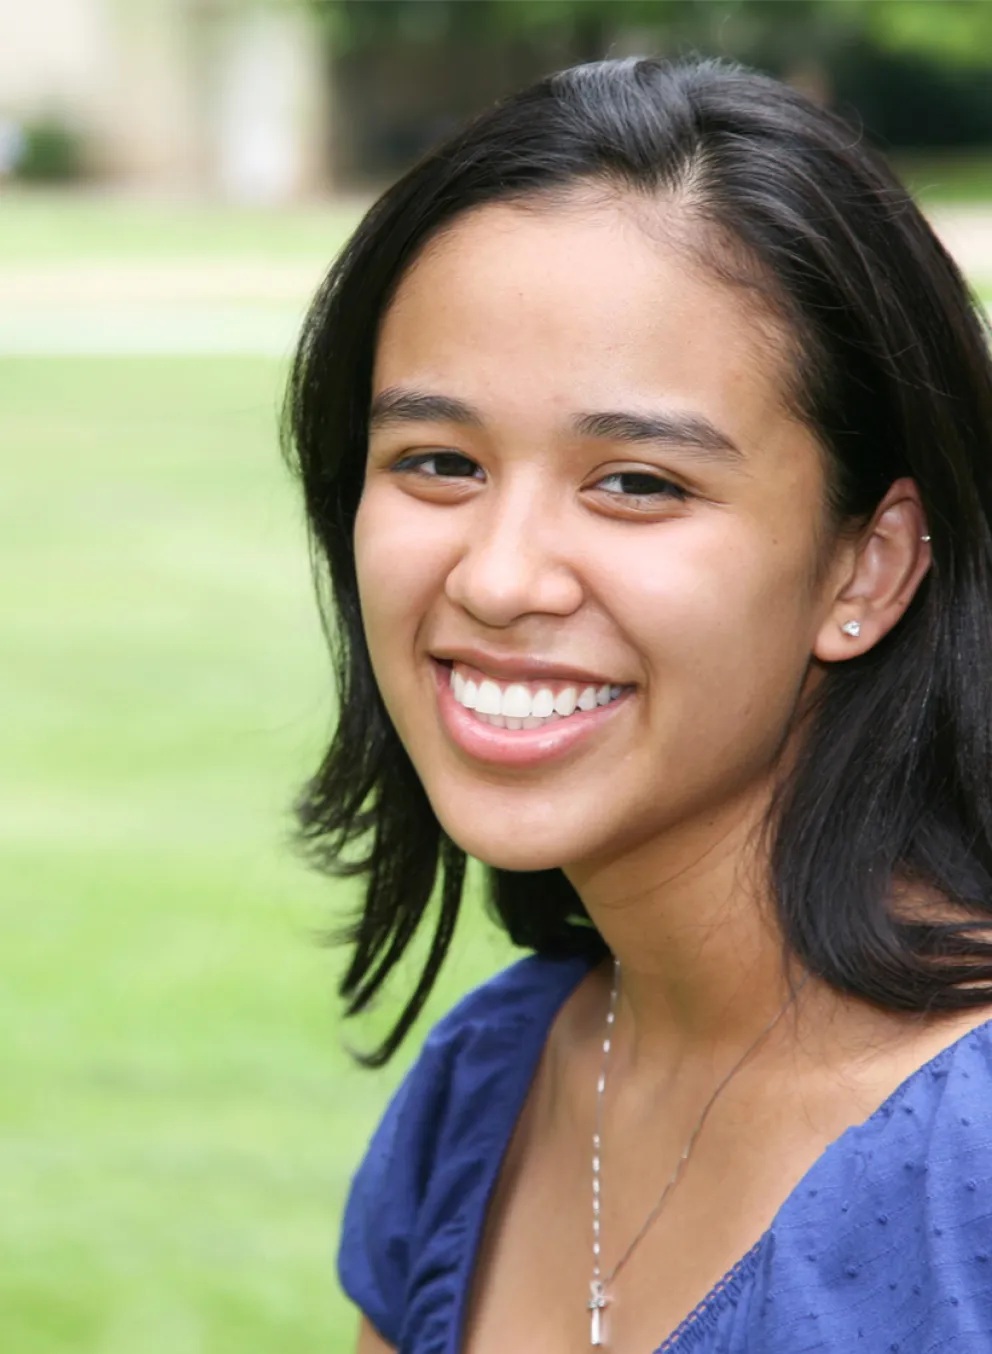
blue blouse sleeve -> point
(421, 1190)
(374, 1252)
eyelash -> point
(415, 465)
(668, 489)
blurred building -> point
(216, 95)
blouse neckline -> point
(523, 1072)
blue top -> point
(885, 1245)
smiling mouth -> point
(524, 705)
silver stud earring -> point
(852, 628)
(924, 538)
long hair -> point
(892, 375)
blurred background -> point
(179, 1115)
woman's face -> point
(587, 513)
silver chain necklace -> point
(600, 1283)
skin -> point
(716, 593)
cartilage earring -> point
(852, 628)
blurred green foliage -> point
(52, 151)
(911, 73)
(954, 30)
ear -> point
(879, 573)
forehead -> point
(578, 305)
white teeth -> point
(516, 702)
(518, 706)
(565, 701)
(489, 699)
(542, 703)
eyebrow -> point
(397, 404)
(671, 428)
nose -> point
(514, 561)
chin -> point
(507, 848)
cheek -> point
(400, 567)
(719, 606)
(382, 587)
(720, 566)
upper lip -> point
(520, 667)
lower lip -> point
(516, 747)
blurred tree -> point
(913, 72)
(958, 31)
(955, 31)
(50, 150)
(587, 25)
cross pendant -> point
(596, 1307)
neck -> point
(690, 918)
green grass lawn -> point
(37, 226)
(178, 1118)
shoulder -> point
(888, 1239)
(487, 1037)
(525, 995)
(427, 1167)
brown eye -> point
(641, 484)
(439, 465)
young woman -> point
(645, 430)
